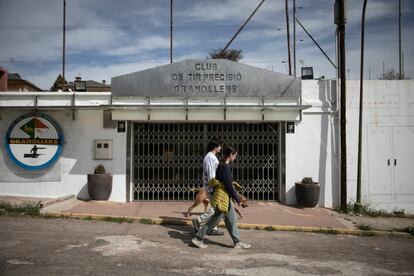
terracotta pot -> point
(99, 186)
(307, 195)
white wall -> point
(311, 151)
(388, 104)
(388, 131)
(69, 174)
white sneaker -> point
(198, 243)
(242, 245)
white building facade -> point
(156, 123)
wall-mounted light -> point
(80, 86)
(307, 73)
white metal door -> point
(403, 163)
(380, 163)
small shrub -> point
(365, 227)
(366, 210)
(308, 180)
(100, 169)
(409, 230)
(399, 213)
(28, 209)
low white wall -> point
(69, 174)
(313, 150)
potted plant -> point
(99, 184)
(307, 192)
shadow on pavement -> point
(187, 233)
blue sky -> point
(106, 38)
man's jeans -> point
(210, 211)
(230, 219)
(207, 215)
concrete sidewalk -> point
(259, 215)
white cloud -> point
(151, 42)
(85, 39)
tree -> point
(58, 84)
(391, 74)
(230, 54)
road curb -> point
(55, 200)
(247, 226)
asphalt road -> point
(37, 246)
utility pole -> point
(64, 45)
(171, 31)
(288, 35)
(400, 75)
(340, 21)
(294, 38)
(361, 104)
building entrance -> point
(167, 158)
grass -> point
(146, 221)
(28, 209)
(364, 227)
(409, 230)
(367, 233)
(117, 219)
(366, 210)
(326, 231)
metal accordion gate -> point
(167, 158)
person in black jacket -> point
(224, 175)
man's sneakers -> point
(196, 225)
(242, 245)
(199, 243)
(215, 232)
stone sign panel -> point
(204, 78)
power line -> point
(94, 28)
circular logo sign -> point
(34, 141)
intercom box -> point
(103, 149)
